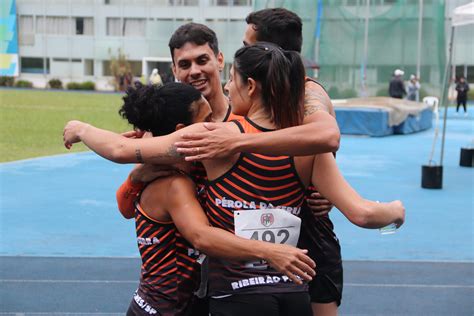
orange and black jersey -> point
(317, 233)
(318, 236)
(198, 172)
(170, 271)
(255, 181)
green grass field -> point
(32, 121)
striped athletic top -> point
(198, 172)
(255, 181)
(169, 271)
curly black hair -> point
(158, 109)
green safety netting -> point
(334, 37)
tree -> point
(121, 70)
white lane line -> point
(435, 286)
(454, 286)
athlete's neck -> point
(260, 116)
(220, 106)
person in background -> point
(462, 87)
(396, 88)
(413, 88)
(155, 78)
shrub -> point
(88, 85)
(23, 84)
(73, 86)
(55, 84)
(6, 81)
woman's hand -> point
(217, 142)
(291, 261)
(399, 210)
(72, 132)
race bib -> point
(270, 225)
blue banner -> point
(8, 39)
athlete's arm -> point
(126, 195)
(135, 182)
(318, 134)
(191, 221)
(361, 212)
(120, 149)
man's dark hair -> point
(196, 33)
(279, 26)
(158, 109)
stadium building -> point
(356, 43)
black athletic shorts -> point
(326, 287)
(198, 307)
(278, 304)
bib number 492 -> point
(281, 236)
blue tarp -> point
(375, 122)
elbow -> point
(333, 139)
(118, 155)
(127, 214)
(363, 217)
(199, 241)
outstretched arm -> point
(191, 221)
(361, 212)
(318, 134)
(117, 148)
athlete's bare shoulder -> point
(316, 99)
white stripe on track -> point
(436, 286)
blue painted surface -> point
(65, 205)
(375, 122)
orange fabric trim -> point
(126, 195)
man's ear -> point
(179, 126)
(173, 68)
(220, 61)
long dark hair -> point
(281, 75)
(158, 109)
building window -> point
(79, 26)
(55, 25)
(134, 27)
(114, 27)
(136, 67)
(184, 2)
(232, 2)
(88, 67)
(25, 25)
(106, 68)
(32, 65)
(130, 27)
(84, 26)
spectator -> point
(462, 87)
(413, 88)
(155, 78)
(396, 88)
